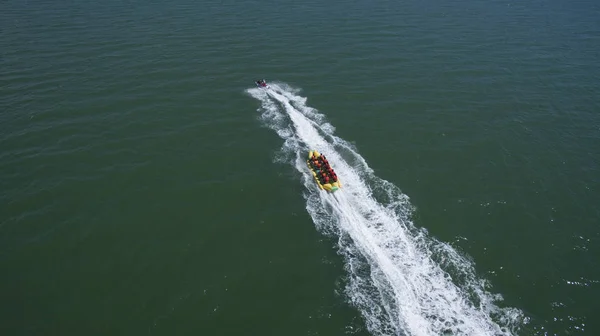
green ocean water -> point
(147, 187)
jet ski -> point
(322, 172)
(261, 83)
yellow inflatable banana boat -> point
(322, 172)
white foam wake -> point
(402, 281)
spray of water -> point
(403, 281)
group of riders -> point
(261, 83)
(325, 173)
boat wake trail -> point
(403, 281)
